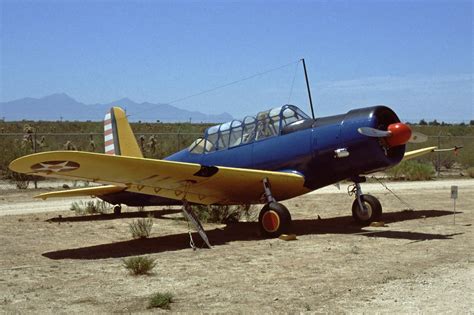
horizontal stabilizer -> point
(89, 191)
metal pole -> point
(34, 149)
(454, 212)
(438, 158)
(307, 87)
(178, 146)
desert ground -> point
(421, 261)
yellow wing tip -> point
(41, 196)
(419, 152)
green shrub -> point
(90, 207)
(140, 265)
(161, 300)
(411, 170)
(224, 214)
(470, 172)
(141, 228)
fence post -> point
(34, 150)
(438, 157)
(179, 141)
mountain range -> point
(61, 106)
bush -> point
(140, 265)
(90, 207)
(470, 172)
(411, 170)
(141, 228)
(224, 214)
(161, 300)
(21, 181)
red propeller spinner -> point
(395, 135)
(400, 133)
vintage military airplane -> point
(278, 154)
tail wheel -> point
(117, 209)
(274, 220)
(372, 211)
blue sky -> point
(415, 56)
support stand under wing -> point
(189, 214)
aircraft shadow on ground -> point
(158, 214)
(245, 231)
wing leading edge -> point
(416, 153)
(175, 180)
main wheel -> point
(373, 210)
(274, 219)
(117, 209)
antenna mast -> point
(307, 87)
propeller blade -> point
(372, 132)
(418, 137)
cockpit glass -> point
(223, 141)
(211, 138)
(291, 114)
(234, 133)
(248, 133)
(197, 146)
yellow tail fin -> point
(118, 135)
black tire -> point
(117, 209)
(280, 214)
(374, 210)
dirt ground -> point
(419, 262)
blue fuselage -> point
(310, 149)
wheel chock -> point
(288, 237)
(378, 224)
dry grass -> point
(140, 265)
(411, 170)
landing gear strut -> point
(365, 208)
(117, 209)
(189, 214)
(274, 218)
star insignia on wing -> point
(55, 166)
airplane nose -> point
(400, 134)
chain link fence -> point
(160, 145)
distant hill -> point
(62, 106)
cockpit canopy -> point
(234, 133)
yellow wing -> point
(169, 179)
(416, 153)
(88, 191)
